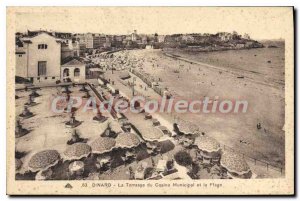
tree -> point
(183, 158)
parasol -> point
(187, 127)
(234, 163)
(207, 144)
(127, 140)
(102, 145)
(43, 160)
(77, 151)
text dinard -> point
(153, 185)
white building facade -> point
(73, 70)
(39, 58)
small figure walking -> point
(131, 173)
(258, 126)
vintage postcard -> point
(150, 100)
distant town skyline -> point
(259, 23)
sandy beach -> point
(245, 77)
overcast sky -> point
(260, 23)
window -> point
(42, 46)
(66, 72)
(76, 72)
(46, 78)
(42, 68)
(53, 78)
(20, 55)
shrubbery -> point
(183, 158)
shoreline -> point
(235, 72)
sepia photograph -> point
(150, 100)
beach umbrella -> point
(43, 160)
(207, 144)
(102, 145)
(150, 134)
(127, 140)
(234, 163)
(77, 151)
(187, 127)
